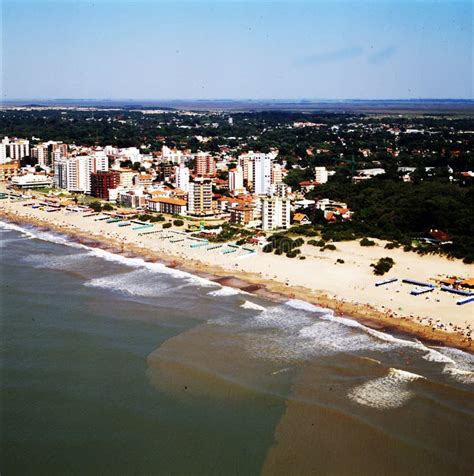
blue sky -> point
(226, 49)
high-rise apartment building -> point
(200, 197)
(74, 174)
(262, 173)
(181, 180)
(204, 164)
(102, 182)
(275, 213)
(19, 148)
(236, 180)
(277, 174)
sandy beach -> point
(347, 288)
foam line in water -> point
(252, 305)
(109, 256)
(391, 391)
(306, 306)
(224, 291)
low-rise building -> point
(9, 170)
(30, 181)
(172, 206)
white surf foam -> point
(189, 279)
(252, 305)
(391, 391)
(139, 282)
(224, 291)
(306, 306)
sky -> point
(197, 49)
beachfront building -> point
(262, 173)
(29, 181)
(9, 170)
(74, 174)
(181, 178)
(102, 182)
(321, 174)
(275, 213)
(172, 206)
(200, 197)
(204, 165)
(242, 215)
(128, 198)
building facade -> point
(275, 213)
(102, 182)
(200, 197)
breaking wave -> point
(391, 391)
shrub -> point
(302, 257)
(107, 207)
(298, 242)
(407, 248)
(241, 242)
(382, 266)
(278, 251)
(178, 222)
(166, 225)
(389, 246)
(96, 206)
(291, 254)
(339, 260)
(267, 248)
(330, 247)
(366, 242)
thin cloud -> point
(381, 56)
(343, 54)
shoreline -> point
(255, 284)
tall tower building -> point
(181, 178)
(262, 173)
(236, 180)
(200, 197)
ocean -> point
(113, 365)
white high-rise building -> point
(74, 174)
(262, 173)
(236, 180)
(181, 178)
(275, 213)
(321, 174)
(19, 148)
(3, 153)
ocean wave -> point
(306, 306)
(224, 291)
(391, 391)
(136, 283)
(188, 278)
